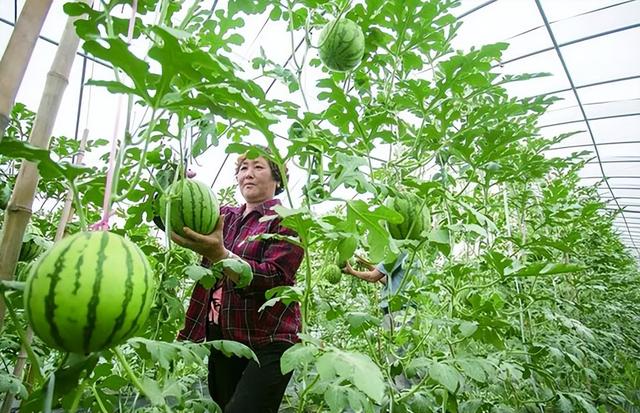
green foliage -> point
(517, 296)
(241, 268)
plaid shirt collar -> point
(262, 208)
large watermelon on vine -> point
(89, 292)
(193, 205)
(341, 45)
(415, 214)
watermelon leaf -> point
(49, 169)
(285, 293)
(204, 276)
(233, 348)
(297, 355)
(446, 375)
(356, 368)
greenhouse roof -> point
(589, 48)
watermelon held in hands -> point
(341, 45)
(193, 205)
(89, 292)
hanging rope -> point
(103, 224)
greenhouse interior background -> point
(590, 48)
(520, 293)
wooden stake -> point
(17, 54)
(18, 211)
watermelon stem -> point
(132, 376)
(127, 368)
(78, 205)
(78, 395)
(26, 343)
(143, 157)
(103, 409)
(48, 398)
(299, 66)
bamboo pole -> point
(19, 211)
(67, 213)
(17, 54)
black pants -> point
(240, 385)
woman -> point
(224, 312)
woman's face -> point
(256, 181)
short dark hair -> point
(275, 171)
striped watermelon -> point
(417, 216)
(193, 205)
(33, 245)
(90, 291)
(341, 45)
(332, 273)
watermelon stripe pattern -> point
(341, 45)
(415, 213)
(193, 205)
(89, 292)
(32, 246)
(142, 312)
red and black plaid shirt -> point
(274, 263)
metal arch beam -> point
(475, 9)
(602, 82)
(53, 42)
(612, 177)
(589, 144)
(622, 115)
(628, 211)
(556, 46)
(574, 16)
(569, 43)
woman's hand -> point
(348, 269)
(371, 276)
(210, 246)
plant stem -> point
(33, 359)
(103, 409)
(303, 395)
(307, 282)
(48, 399)
(78, 396)
(127, 368)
